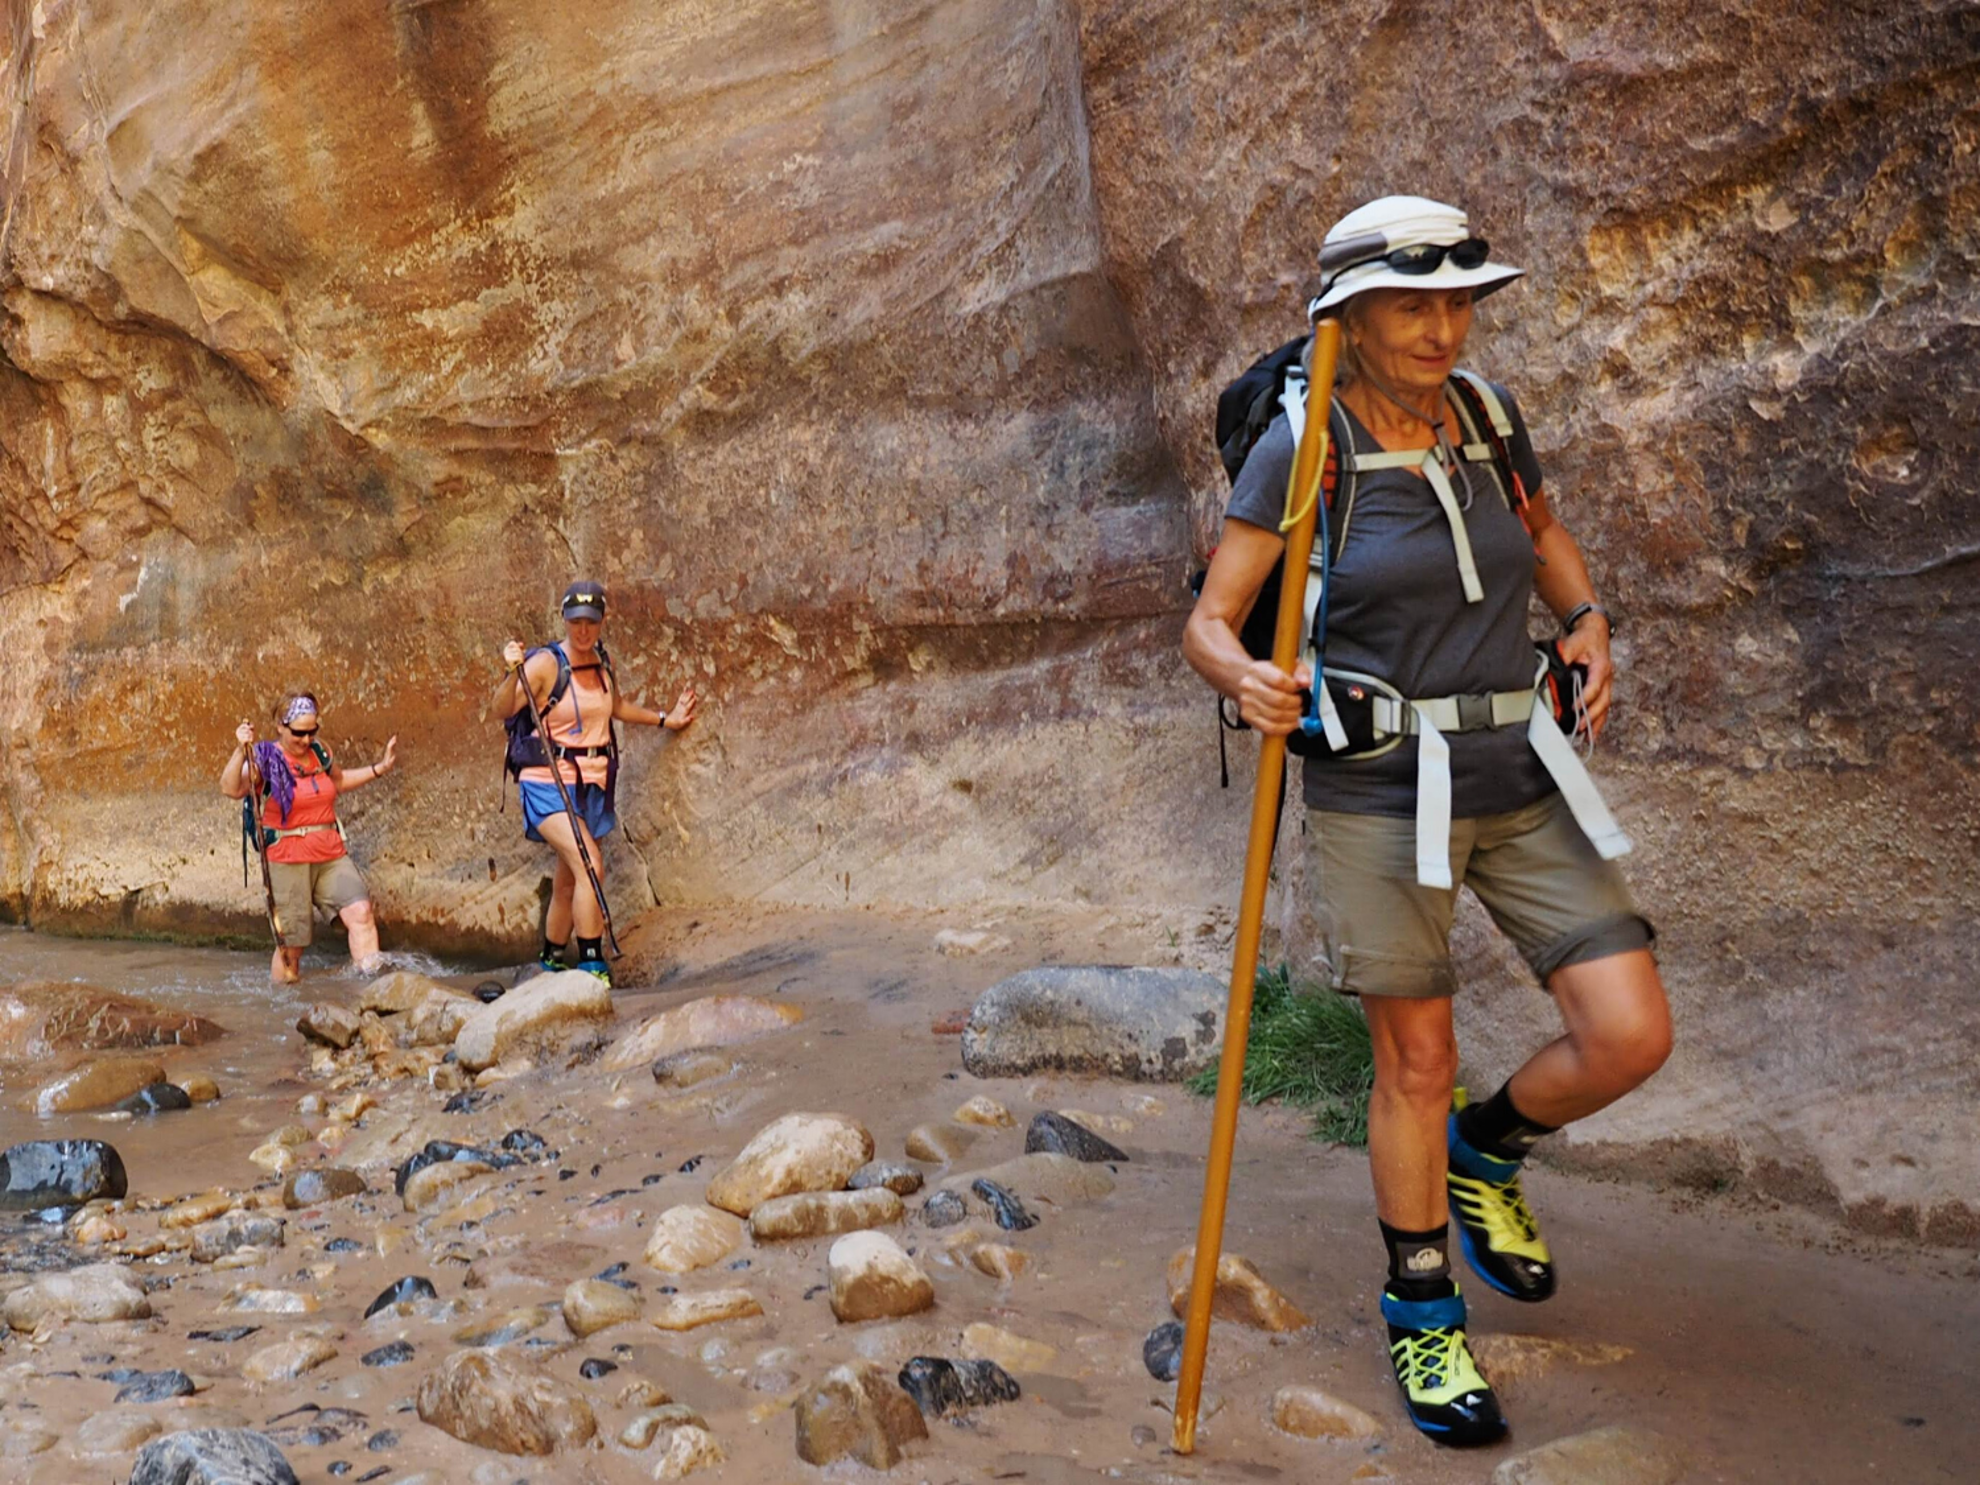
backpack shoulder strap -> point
(322, 754)
(1484, 415)
(563, 683)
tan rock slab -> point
(287, 1360)
(500, 1330)
(330, 1025)
(94, 1295)
(1243, 1294)
(117, 1431)
(546, 1005)
(255, 1300)
(1116, 1125)
(308, 1188)
(97, 1084)
(194, 1210)
(40, 1018)
(1000, 1260)
(649, 1425)
(1011, 1351)
(592, 1305)
(692, 1311)
(799, 1152)
(939, 1144)
(1604, 1456)
(687, 1238)
(403, 990)
(492, 1402)
(274, 1157)
(641, 1393)
(438, 1186)
(687, 1449)
(814, 1214)
(717, 1021)
(1509, 1360)
(234, 1231)
(857, 1410)
(902, 1180)
(985, 1112)
(873, 1278)
(437, 1021)
(683, 1070)
(1311, 1413)
(200, 1088)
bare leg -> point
(362, 926)
(572, 902)
(1415, 1068)
(1618, 1033)
(286, 967)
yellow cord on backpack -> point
(1294, 517)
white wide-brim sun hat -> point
(1364, 237)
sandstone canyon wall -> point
(865, 352)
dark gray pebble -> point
(404, 1291)
(384, 1439)
(150, 1387)
(1058, 1135)
(392, 1353)
(940, 1386)
(1161, 1353)
(225, 1335)
(595, 1367)
(944, 1209)
(1004, 1205)
(157, 1098)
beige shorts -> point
(300, 886)
(1384, 933)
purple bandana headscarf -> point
(273, 763)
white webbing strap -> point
(1433, 471)
(1584, 802)
(1293, 399)
(1433, 803)
(1323, 700)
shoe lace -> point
(1426, 1359)
(1517, 1212)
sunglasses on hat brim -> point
(1419, 258)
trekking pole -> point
(570, 810)
(256, 796)
(1302, 503)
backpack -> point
(251, 831)
(1245, 410)
(524, 749)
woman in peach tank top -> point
(573, 687)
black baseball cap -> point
(584, 601)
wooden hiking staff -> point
(1302, 507)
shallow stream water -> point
(1770, 1346)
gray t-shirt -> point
(1396, 610)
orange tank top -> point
(582, 718)
(315, 805)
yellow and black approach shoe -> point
(598, 969)
(1497, 1230)
(1446, 1397)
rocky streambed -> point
(801, 1198)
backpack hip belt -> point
(1429, 718)
(271, 836)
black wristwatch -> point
(1581, 611)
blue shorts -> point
(540, 802)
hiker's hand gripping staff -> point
(1271, 703)
(513, 653)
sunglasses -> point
(1420, 258)
(301, 731)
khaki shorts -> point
(1534, 870)
(330, 886)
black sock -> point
(1419, 1262)
(590, 948)
(1496, 1128)
(552, 951)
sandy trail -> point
(1769, 1344)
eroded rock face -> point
(718, 1021)
(486, 1400)
(40, 1017)
(543, 1007)
(1161, 1024)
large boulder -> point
(46, 1173)
(1150, 1024)
(484, 1399)
(873, 1278)
(717, 1021)
(687, 1238)
(100, 1083)
(547, 1006)
(212, 1456)
(40, 1018)
(94, 1295)
(814, 1214)
(799, 1152)
(857, 1410)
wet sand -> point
(1769, 1344)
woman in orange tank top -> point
(309, 871)
(578, 714)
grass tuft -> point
(1309, 1048)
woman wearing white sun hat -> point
(1431, 767)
